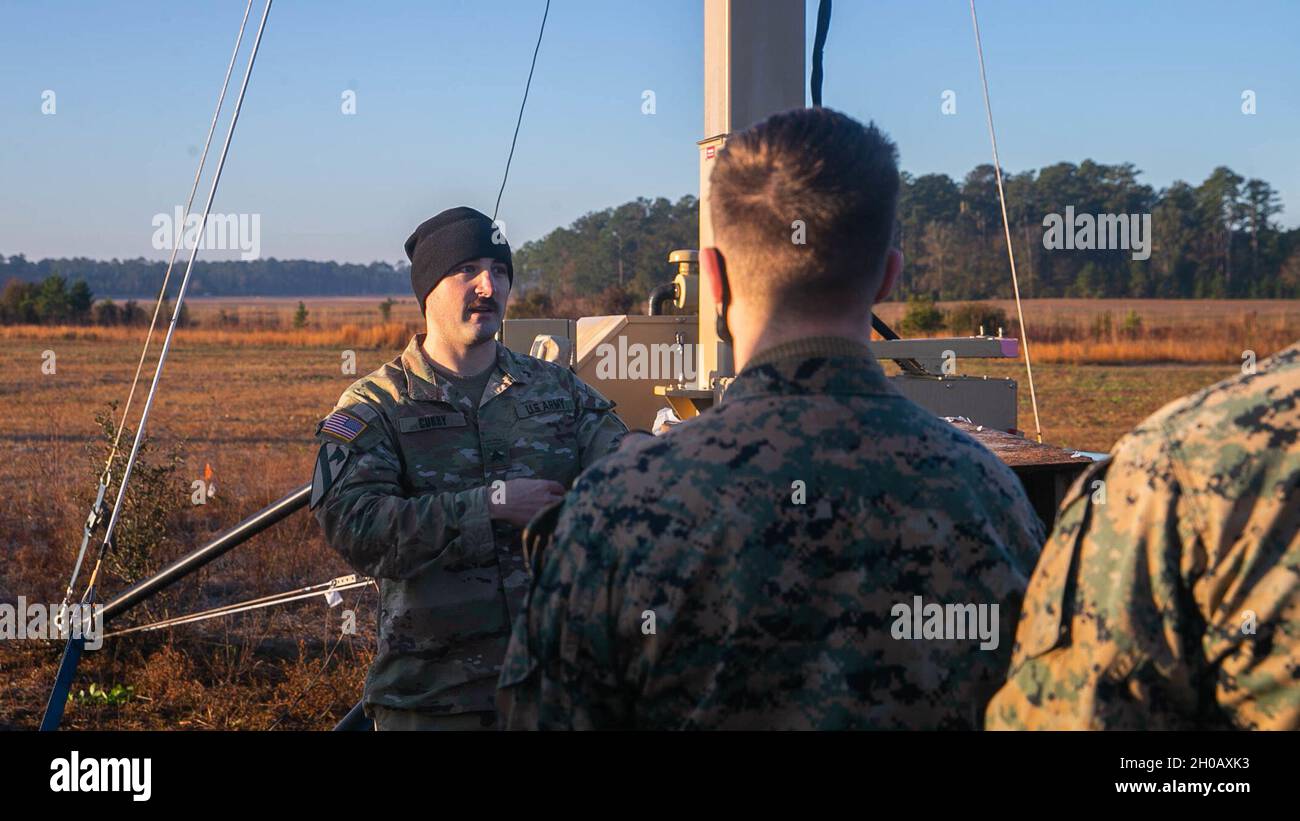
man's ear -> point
(893, 267)
(712, 272)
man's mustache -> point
(483, 305)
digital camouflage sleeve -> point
(372, 520)
(1169, 594)
(763, 565)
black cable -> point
(818, 73)
(527, 85)
(819, 45)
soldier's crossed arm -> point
(599, 428)
(560, 669)
(360, 503)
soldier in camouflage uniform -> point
(1168, 596)
(426, 476)
(754, 566)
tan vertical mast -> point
(753, 67)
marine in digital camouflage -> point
(687, 587)
(1169, 594)
(403, 481)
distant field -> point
(244, 398)
(249, 414)
(1073, 331)
(1122, 331)
(324, 312)
(1165, 312)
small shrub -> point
(922, 317)
(107, 313)
(97, 697)
(153, 501)
(966, 320)
(1102, 326)
(1132, 325)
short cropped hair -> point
(803, 207)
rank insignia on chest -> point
(495, 450)
(536, 406)
(342, 426)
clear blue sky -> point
(438, 85)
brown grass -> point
(380, 335)
(1061, 330)
(1079, 331)
(1149, 351)
(245, 401)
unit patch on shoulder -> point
(343, 426)
(331, 461)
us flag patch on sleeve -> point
(343, 426)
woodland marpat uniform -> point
(401, 490)
(767, 612)
(1175, 603)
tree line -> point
(141, 278)
(1217, 239)
(1214, 240)
(52, 301)
(611, 258)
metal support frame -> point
(163, 579)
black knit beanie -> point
(452, 237)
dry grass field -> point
(1074, 331)
(1144, 331)
(242, 398)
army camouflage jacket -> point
(1168, 596)
(401, 489)
(751, 568)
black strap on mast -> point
(815, 82)
(819, 45)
